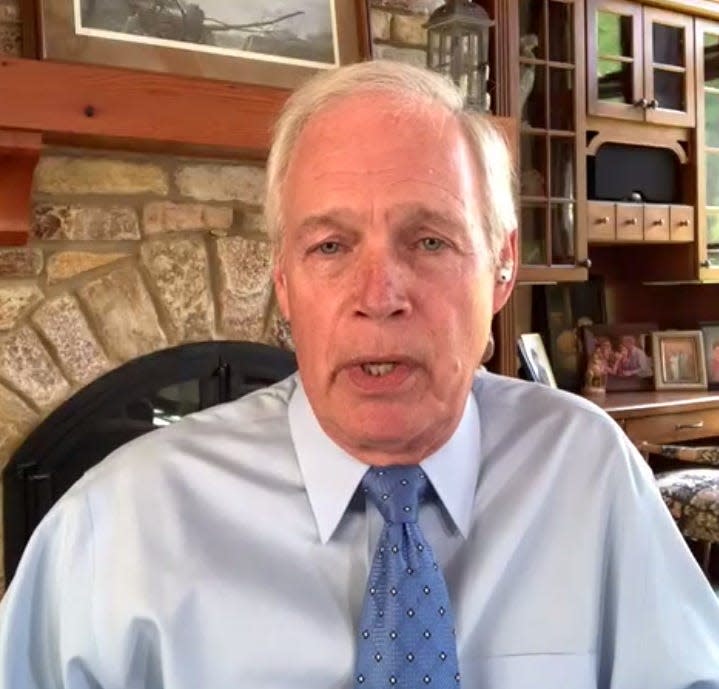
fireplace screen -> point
(140, 396)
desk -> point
(663, 417)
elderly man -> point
(388, 517)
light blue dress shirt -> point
(230, 550)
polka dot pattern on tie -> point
(406, 633)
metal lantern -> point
(458, 47)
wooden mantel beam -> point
(19, 153)
(78, 104)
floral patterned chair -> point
(692, 494)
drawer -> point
(656, 223)
(681, 223)
(630, 221)
(673, 428)
(602, 221)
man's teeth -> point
(378, 369)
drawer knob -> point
(687, 426)
(632, 221)
(658, 221)
(683, 223)
(603, 220)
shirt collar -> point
(332, 475)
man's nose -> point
(381, 284)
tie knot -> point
(396, 491)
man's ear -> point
(280, 280)
(506, 272)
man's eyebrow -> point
(420, 214)
(335, 218)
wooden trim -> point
(580, 126)
(543, 275)
(634, 134)
(506, 34)
(685, 118)
(88, 105)
(19, 153)
(699, 8)
(596, 106)
(627, 405)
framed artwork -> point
(535, 360)
(559, 311)
(680, 363)
(710, 335)
(251, 41)
(617, 357)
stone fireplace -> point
(130, 254)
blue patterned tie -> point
(406, 631)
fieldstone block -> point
(9, 12)
(123, 314)
(409, 29)
(27, 366)
(63, 324)
(66, 264)
(11, 39)
(380, 22)
(20, 263)
(14, 413)
(254, 223)
(410, 56)
(15, 302)
(63, 175)
(165, 216)
(418, 6)
(245, 268)
(243, 183)
(178, 268)
(279, 333)
(85, 222)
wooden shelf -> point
(101, 106)
(45, 102)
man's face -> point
(384, 275)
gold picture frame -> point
(247, 41)
(679, 362)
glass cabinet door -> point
(669, 68)
(550, 132)
(707, 135)
(615, 86)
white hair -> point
(414, 86)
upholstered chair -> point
(691, 494)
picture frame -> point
(558, 312)
(535, 360)
(680, 360)
(710, 335)
(618, 355)
(212, 39)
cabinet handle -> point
(687, 426)
(653, 104)
(683, 223)
(586, 263)
(658, 221)
(642, 103)
(705, 264)
(603, 220)
(631, 221)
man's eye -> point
(432, 244)
(329, 248)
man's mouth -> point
(379, 369)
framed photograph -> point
(558, 312)
(252, 41)
(618, 355)
(680, 362)
(535, 360)
(710, 335)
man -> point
(248, 545)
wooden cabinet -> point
(609, 222)
(553, 243)
(640, 63)
(707, 141)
